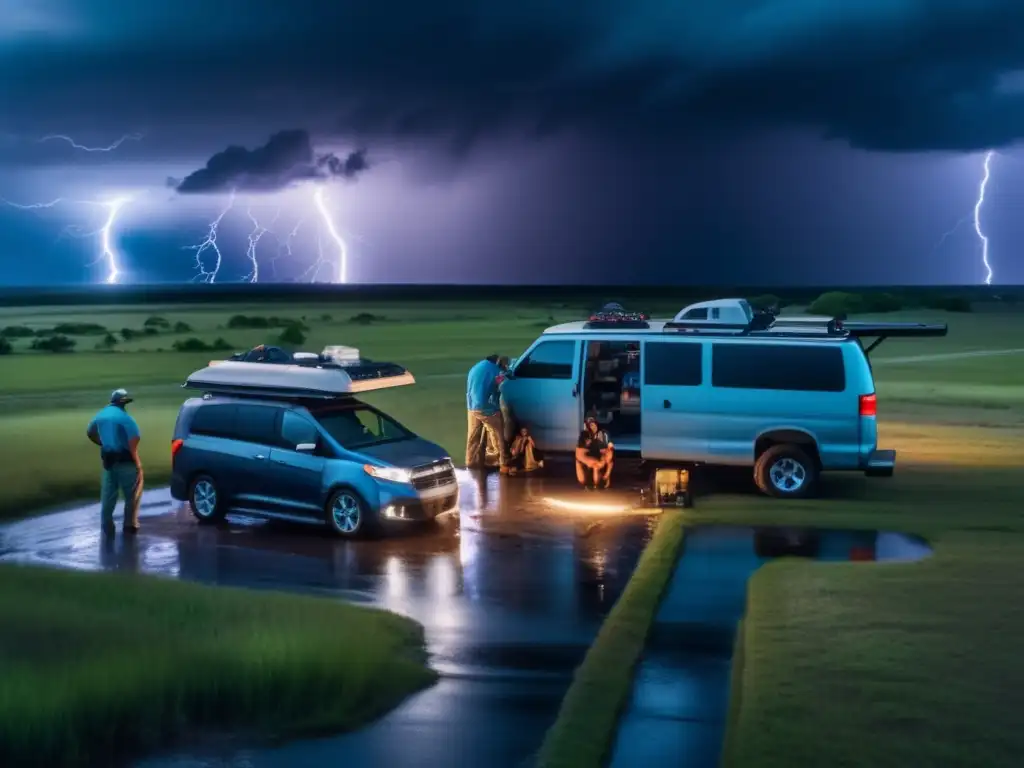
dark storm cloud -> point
(286, 158)
(888, 74)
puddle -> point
(680, 700)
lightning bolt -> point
(254, 238)
(210, 244)
(86, 148)
(977, 216)
(107, 240)
(33, 206)
(321, 203)
(284, 246)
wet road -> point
(511, 591)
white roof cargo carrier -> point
(272, 372)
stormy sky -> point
(606, 141)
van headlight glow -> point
(391, 474)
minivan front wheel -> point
(205, 500)
(346, 513)
(786, 472)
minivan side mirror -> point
(305, 447)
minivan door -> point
(543, 392)
(295, 478)
(674, 401)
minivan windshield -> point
(360, 426)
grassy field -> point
(95, 667)
(842, 664)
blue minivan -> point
(286, 438)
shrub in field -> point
(292, 336)
(257, 321)
(17, 332)
(77, 329)
(365, 318)
(880, 302)
(5, 346)
(57, 343)
(194, 344)
(157, 322)
(948, 303)
(836, 304)
(180, 327)
(107, 342)
(765, 301)
(129, 333)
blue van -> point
(285, 437)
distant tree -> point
(5, 346)
(157, 322)
(365, 318)
(881, 302)
(17, 332)
(181, 327)
(57, 343)
(765, 301)
(948, 303)
(79, 329)
(836, 304)
(129, 333)
(108, 342)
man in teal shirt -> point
(116, 433)
(484, 413)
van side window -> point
(548, 360)
(673, 364)
(778, 366)
(214, 421)
(256, 424)
(296, 429)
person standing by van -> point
(116, 433)
(484, 413)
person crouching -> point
(525, 455)
(594, 456)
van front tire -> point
(786, 472)
(347, 514)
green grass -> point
(97, 667)
(585, 728)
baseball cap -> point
(119, 396)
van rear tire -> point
(786, 472)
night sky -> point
(463, 141)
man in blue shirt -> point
(117, 435)
(482, 405)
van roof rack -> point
(613, 315)
(328, 376)
(769, 326)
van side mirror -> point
(305, 447)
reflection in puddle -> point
(680, 699)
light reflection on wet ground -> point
(511, 592)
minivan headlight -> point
(391, 474)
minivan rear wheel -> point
(786, 472)
(205, 500)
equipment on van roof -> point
(271, 372)
(736, 317)
(615, 316)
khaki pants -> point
(481, 424)
(121, 480)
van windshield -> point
(360, 426)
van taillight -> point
(175, 447)
(868, 405)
